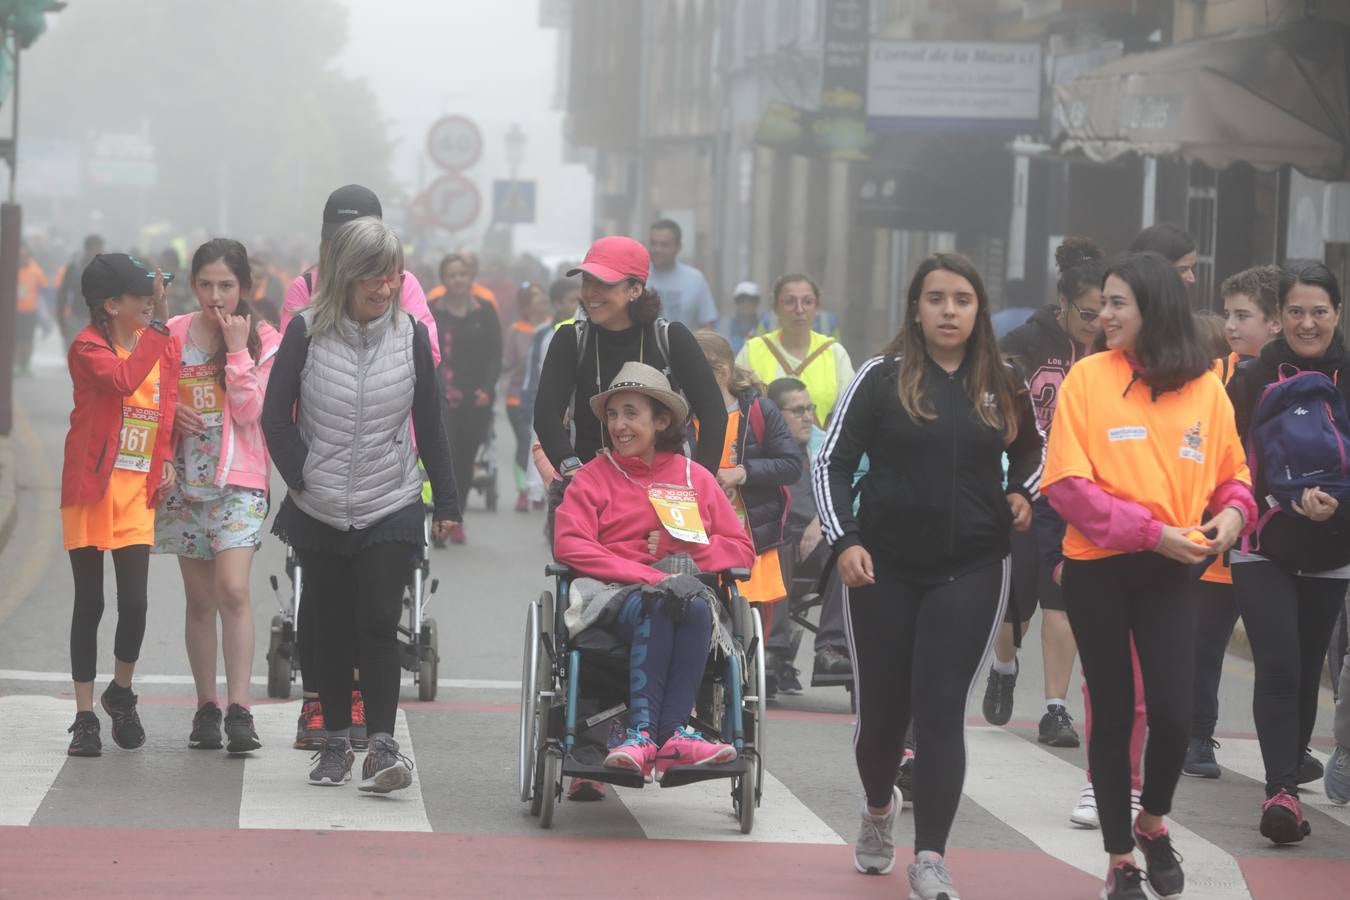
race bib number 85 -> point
(199, 388)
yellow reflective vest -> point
(818, 371)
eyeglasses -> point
(379, 281)
(801, 411)
(1087, 316)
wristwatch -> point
(159, 326)
(569, 467)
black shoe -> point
(1125, 882)
(1163, 863)
(206, 728)
(904, 780)
(788, 681)
(385, 769)
(830, 661)
(120, 704)
(85, 740)
(1309, 768)
(998, 696)
(1200, 761)
(1057, 728)
(243, 737)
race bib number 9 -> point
(677, 508)
(199, 388)
(136, 443)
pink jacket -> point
(412, 300)
(602, 525)
(243, 451)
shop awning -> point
(1271, 98)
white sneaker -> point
(1084, 813)
(929, 878)
(874, 853)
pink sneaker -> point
(636, 754)
(1282, 819)
(686, 747)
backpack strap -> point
(309, 281)
(756, 418)
(794, 371)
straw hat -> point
(643, 379)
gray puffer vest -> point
(356, 394)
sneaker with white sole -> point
(334, 766)
(1336, 780)
(385, 769)
(1084, 813)
(929, 878)
(874, 853)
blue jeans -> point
(665, 663)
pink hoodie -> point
(412, 300)
(243, 452)
(602, 525)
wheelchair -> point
(805, 593)
(419, 650)
(570, 695)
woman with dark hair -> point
(925, 558)
(212, 518)
(1291, 580)
(532, 309)
(1172, 242)
(1145, 466)
(621, 325)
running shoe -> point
(1282, 819)
(1162, 862)
(904, 779)
(829, 661)
(998, 695)
(1124, 882)
(1084, 813)
(120, 705)
(637, 754)
(874, 853)
(583, 790)
(309, 731)
(929, 878)
(335, 762)
(789, 680)
(358, 735)
(1057, 728)
(1336, 781)
(687, 747)
(1200, 761)
(1309, 768)
(385, 769)
(242, 736)
(206, 727)
(84, 739)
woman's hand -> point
(653, 541)
(234, 329)
(1176, 545)
(187, 421)
(160, 310)
(1227, 526)
(1317, 504)
(730, 479)
(855, 567)
(1021, 511)
(167, 477)
(440, 529)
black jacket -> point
(1295, 542)
(471, 351)
(1043, 351)
(769, 471)
(933, 501)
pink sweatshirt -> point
(1116, 524)
(412, 300)
(602, 525)
(243, 452)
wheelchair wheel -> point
(429, 662)
(745, 797)
(529, 698)
(759, 707)
(279, 662)
(550, 785)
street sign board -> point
(513, 202)
(450, 202)
(454, 143)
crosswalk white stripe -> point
(277, 793)
(466, 684)
(32, 754)
(1032, 792)
(702, 812)
(1243, 756)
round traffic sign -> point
(451, 202)
(454, 143)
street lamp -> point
(515, 148)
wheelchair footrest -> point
(682, 775)
(574, 768)
(829, 680)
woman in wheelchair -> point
(636, 504)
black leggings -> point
(357, 601)
(1289, 620)
(132, 568)
(521, 418)
(1215, 615)
(916, 649)
(467, 428)
(1108, 600)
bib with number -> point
(677, 508)
(199, 388)
(136, 444)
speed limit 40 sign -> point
(454, 143)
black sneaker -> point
(998, 696)
(120, 704)
(1125, 882)
(1200, 761)
(789, 681)
(385, 769)
(85, 740)
(1309, 768)
(243, 737)
(1163, 862)
(206, 728)
(335, 760)
(829, 661)
(1057, 728)
(904, 780)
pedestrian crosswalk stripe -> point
(464, 684)
(277, 793)
(32, 754)
(1032, 791)
(1243, 756)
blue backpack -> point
(1300, 438)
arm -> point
(729, 545)
(576, 530)
(284, 443)
(1026, 454)
(297, 298)
(246, 384)
(1109, 522)
(852, 429)
(428, 429)
(779, 460)
(492, 339)
(695, 376)
(557, 384)
(111, 374)
(414, 300)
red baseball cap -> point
(615, 258)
